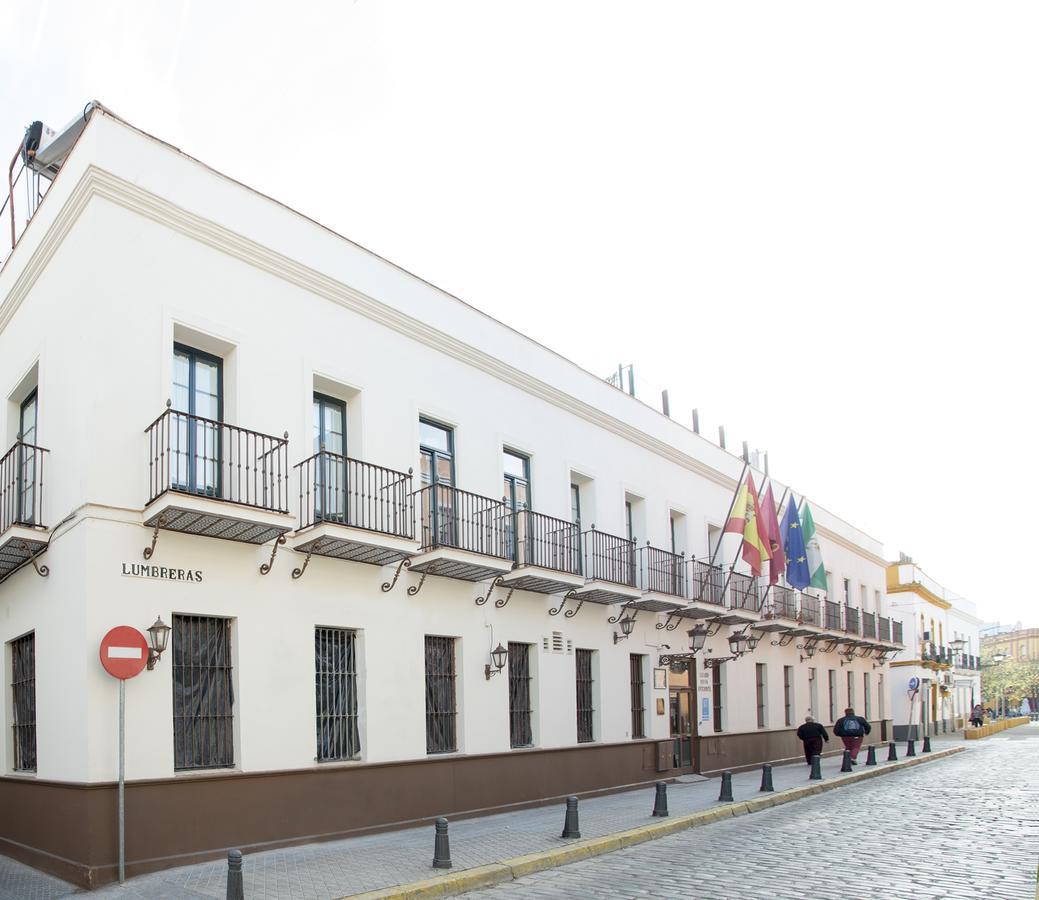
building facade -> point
(942, 636)
(413, 562)
(1017, 643)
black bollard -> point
(726, 791)
(817, 773)
(235, 888)
(892, 752)
(927, 743)
(871, 755)
(571, 828)
(910, 748)
(846, 761)
(766, 778)
(660, 803)
(442, 846)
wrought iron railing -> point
(831, 615)
(884, 628)
(609, 558)
(851, 620)
(781, 603)
(451, 517)
(869, 625)
(662, 572)
(810, 610)
(547, 542)
(743, 592)
(193, 455)
(896, 632)
(21, 486)
(706, 583)
(335, 488)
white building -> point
(943, 641)
(201, 362)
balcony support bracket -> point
(784, 640)
(266, 567)
(388, 586)
(298, 573)
(627, 607)
(669, 624)
(570, 613)
(148, 551)
(42, 571)
(501, 602)
(415, 588)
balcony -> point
(779, 613)
(884, 629)
(23, 535)
(896, 634)
(609, 569)
(851, 620)
(810, 612)
(354, 510)
(832, 618)
(869, 626)
(547, 553)
(216, 480)
(662, 578)
(462, 535)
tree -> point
(1012, 679)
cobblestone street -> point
(966, 827)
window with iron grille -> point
(203, 695)
(335, 687)
(865, 695)
(788, 695)
(759, 671)
(638, 699)
(851, 688)
(441, 714)
(23, 690)
(833, 695)
(585, 709)
(716, 694)
(520, 732)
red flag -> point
(770, 532)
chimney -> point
(696, 421)
(721, 436)
(664, 403)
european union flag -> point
(797, 572)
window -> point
(866, 704)
(788, 695)
(575, 504)
(585, 708)
(833, 695)
(876, 602)
(629, 531)
(23, 697)
(847, 592)
(761, 674)
(863, 597)
(880, 695)
(520, 732)
(717, 687)
(203, 695)
(517, 480)
(198, 393)
(638, 699)
(330, 483)
(441, 714)
(437, 505)
(335, 679)
(851, 688)
(436, 447)
(813, 693)
(27, 460)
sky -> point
(814, 222)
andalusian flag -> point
(746, 520)
(815, 555)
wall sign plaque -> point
(161, 573)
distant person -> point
(851, 729)
(977, 715)
(812, 735)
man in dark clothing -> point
(812, 735)
(851, 729)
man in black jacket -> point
(812, 735)
(851, 729)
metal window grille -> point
(788, 695)
(865, 695)
(851, 688)
(716, 694)
(638, 701)
(23, 688)
(833, 695)
(520, 733)
(441, 714)
(203, 694)
(760, 687)
(335, 686)
(585, 710)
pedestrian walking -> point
(977, 715)
(812, 735)
(851, 729)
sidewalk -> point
(356, 865)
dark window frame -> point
(336, 697)
(441, 695)
(203, 708)
(434, 453)
(585, 680)
(521, 732)
(788, 695)
(23, 703)
(760, 687)
(575, 504)
(636, 661)
(27, 460)
(717, 683)
(831, 679)
(191, 453)
(328, 469)
(512, 480)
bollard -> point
(766, 778)
(660, 803)
(910, 748)
(571, 828)
(846, 761)
(235, 888)
(726, 791)
(871, 755)
(927, 743)
(817, 773)
(892, 752)
(442, 846)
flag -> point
(744, 520)
(815, 556)
(770, 531)
(796, 556)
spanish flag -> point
(746, 520)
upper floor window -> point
(330, 478)
(517, 480)
(575, 504)
(436, 447)
(847, 591)
(329, 424)
(198, 392)
(27, 460)
(628, 525)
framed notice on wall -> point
(660, 679)
(660, 706)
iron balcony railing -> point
(781, 604)
(884, 628)
(609, 558)
(809, 610)
(831, 615)
(335, 488)
(547, 542)
(662, 572)
(896, 632)
(869, 625)
(193, 455)
(451, 517)
(851, 620)
(21, 486)
(706, 583)
(743, 592)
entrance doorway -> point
(682, 712)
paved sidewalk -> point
(335, 869)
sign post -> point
(124, 654)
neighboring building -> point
(1020, 644)
(343, 489)
(942, 640)
(988, 629)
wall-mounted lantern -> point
(158, 637)
(499, 656)
(627, 624)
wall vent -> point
(555, 643)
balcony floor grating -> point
(453, 568)
(188, 521)
(353, 551)
(15, 553)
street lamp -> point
(158, 637)
(627, 624)
(739, 643)
(499, 655)
(697, 638)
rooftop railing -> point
(547, 542)
(608, 558)
(662, 572)
(451, 517)
(21, 486)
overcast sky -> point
(816, 222)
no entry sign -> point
(124, 652)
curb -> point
(516, 867)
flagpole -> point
(761, 605)
(735, 494)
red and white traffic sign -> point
(124, 652)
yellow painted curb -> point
(455, 883)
